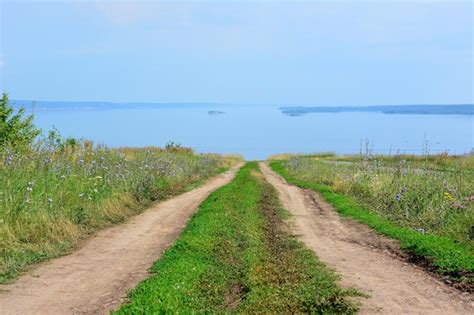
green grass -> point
(438, 162)
(443, 254)
(234, 257)
(51, 198)
(437, 202)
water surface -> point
(259, 131)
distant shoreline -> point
(214, 108)
(454, 109)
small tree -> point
(14, 128)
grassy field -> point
(51, 197)
(441, 162)
(430, 211)
(235, 257)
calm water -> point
(259, 131)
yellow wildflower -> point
(448, 196)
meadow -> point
(237, 254)
(425, 202)
(55, 193)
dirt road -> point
(97, 277)
(366, 260)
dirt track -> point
(97, 277)
(366, 260)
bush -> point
(14, 128)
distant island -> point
(215, 112)
(455, 109)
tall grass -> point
(52, 197)
(443, 161)
(430, 211)
(435, 202)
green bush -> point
(15, 129)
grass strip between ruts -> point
(235, 257)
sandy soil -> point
(97, 277)
(366, 260)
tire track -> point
(366, 260)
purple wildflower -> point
(458, 205)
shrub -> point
(15, 129)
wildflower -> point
(63, 176)
(81, 161)
(81, 195)
(448, 196)
(50, 200)
(458, 205)
(29, 189)
(398, 197)
(421, 230)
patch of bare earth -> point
(96, 278)
(366, 260)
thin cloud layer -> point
(252, 52)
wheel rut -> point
(97, 277)
(365, 259)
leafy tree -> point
(14, 128)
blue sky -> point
(301, 53)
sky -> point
(245, 52)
